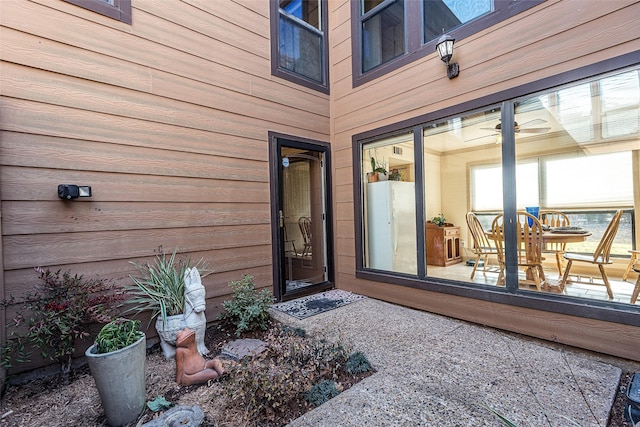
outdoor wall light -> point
(445, 50)
(72, 191)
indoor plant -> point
(378, 171)
(117, 363)
(160, 289)
(439, 220)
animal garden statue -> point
(191, 367)
(194, 307)
(193, 317)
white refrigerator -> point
(391, 226)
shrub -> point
(321, 393)
(357, 363)
(56, 313)
(248, 310)
(159, 287)
(117, 334)
(263, 386)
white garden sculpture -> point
(193, 317)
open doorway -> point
(301, 225)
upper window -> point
(116, 9)
(383, 32)
(387, 34)
(299, 47)
(445, 15)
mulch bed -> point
(48, 402)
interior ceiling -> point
(474, 133)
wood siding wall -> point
(554, 37)
(166, 119)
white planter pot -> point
(168, 330)
(120, 379)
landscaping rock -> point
(183, 416)
(240, 349)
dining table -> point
(556, 236)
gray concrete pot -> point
(120, 378)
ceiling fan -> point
(522, 128)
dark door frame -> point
(276, 141)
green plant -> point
(321, 392)
(160, 286)
(396, 175)
(55, 314)
(117, 334)
(357, 363)
(377, 166)
(248, 310)
(439, 220)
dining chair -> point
(555, 219)
(636, 289)
(600, 256)
(635, 256)
(529, 248)
(305, 228)
(482, 245)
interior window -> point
(389, 233)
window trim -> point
(120, 10)
(561, 304)
(414, 34)
(275, 51)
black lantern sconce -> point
(445, 50)
(72, 191)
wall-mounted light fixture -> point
(72, 191)
(445, 50)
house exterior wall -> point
(554, 37)
(167, 119)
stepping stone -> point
(240, 349)
(183, 416)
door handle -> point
(281, 218)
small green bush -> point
(321, 392)
(118, 334)
(248, 310)
(294, 331)
(357, 363)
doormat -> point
(311, 305)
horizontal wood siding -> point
(552, 38)
(166, 119)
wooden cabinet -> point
(443, 245)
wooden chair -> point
(634, 257)
(305, 228)
(482, 246)
(636, 290)
(529, 248)
(555, 219)
(600, 257)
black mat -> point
(311, 305)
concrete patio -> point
(437, 371)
